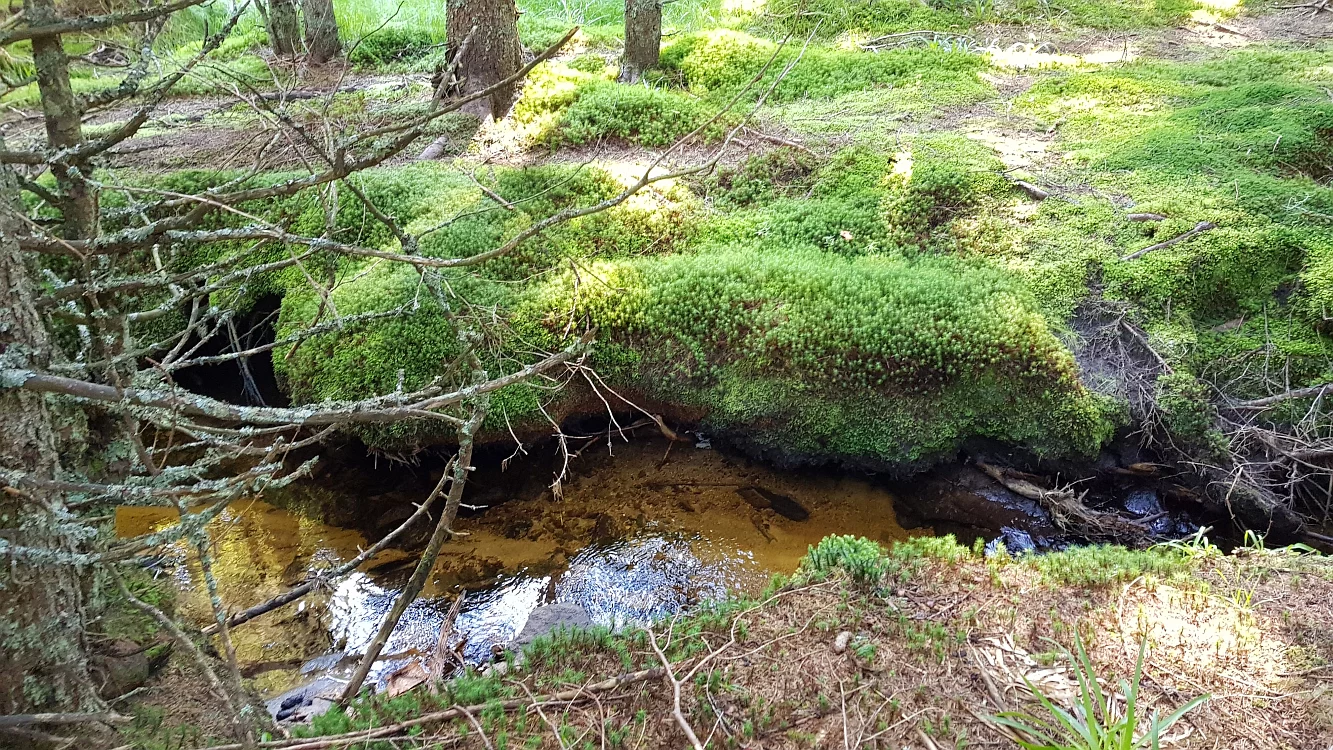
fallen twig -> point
(670, 677)
(1264, 403)
(1199, 228)
(443, 654)
(1066, 507)
(18, 720)
(1035, 192)
(779, 141)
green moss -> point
(393, 45)
(648, 116)
(1186, 409)
(722, 61)
(859, 558)
(887, 360)
(870, 17)
(564, 104)
(1240, 141)
(785, 172)
(941, 178)
(1103, 565)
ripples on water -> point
(628, 582)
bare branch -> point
(96, 23)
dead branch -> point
(324, 579)
(379, 410)
(96, 23)
(669, 675)
(1036, 193)
(214, 683)
(1270, 401)
(443, 531)
(18, 720)
(443, 654)
(1199, 228)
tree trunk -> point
(643, 38)
(284, 28)
(321, 31)
(44, 662)
(64, 128)
(494, 53)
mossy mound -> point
(872, 354)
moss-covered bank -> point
(875, 301)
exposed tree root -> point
(1068, 510)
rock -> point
(1143, 503)
(550, 617)
(1016, 541)
(965, 496)
(302, 702)
(605, 529)
(842, 641)
(121, 666)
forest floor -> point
(925, 656)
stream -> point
(632, 536)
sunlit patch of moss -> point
(722, 61)
(887, 360)
(1240, 142)
(938, 179)
(869, 17)
(562, 104)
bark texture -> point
(284, 28)
(64, 128)
(643, 38)
(44, 662)
(493, 54)
(321, 31)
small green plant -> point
(1094, 724)
(861, 559)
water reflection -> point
(627, 582)
(635, 540)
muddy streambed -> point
(632, 537)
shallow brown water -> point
(636, 537)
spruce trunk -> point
(494, 53)
(64, 124)
(44, 658)
(284, 28)
(321, 31)
(643, 38)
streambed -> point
(633, 536)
